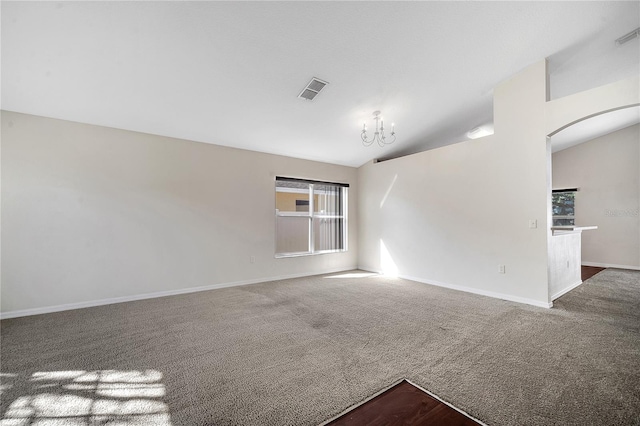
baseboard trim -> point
(566, 290)
(493, 294)
(110, 301)
(611, 265)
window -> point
(311, 217)
(563, 202)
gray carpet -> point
(300, 351)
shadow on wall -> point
(84, 398)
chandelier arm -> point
(365, 140)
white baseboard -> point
(566, 290)
(110, 301)
(611, 265)
(473, 290)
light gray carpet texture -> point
(300, 351)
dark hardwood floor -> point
(404, 404)
(589, 271)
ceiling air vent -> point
(313, 88)
(628, 37)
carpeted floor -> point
(300, 351)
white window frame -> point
(312, 215)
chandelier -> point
(379, 135)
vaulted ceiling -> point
(229, 73)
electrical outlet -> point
(501, 269)
(567, 263)
(252, 259)
(533, 224)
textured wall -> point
(452, 215)
(607, 172)
(93, 213)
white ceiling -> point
(229, 73)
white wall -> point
(92, 213)
(452, 215)
(564, 263)
(607, 172)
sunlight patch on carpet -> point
(88, 397)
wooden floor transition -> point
(403, 404)
(589, 271)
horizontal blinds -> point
(288, 179)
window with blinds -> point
(311, 217)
